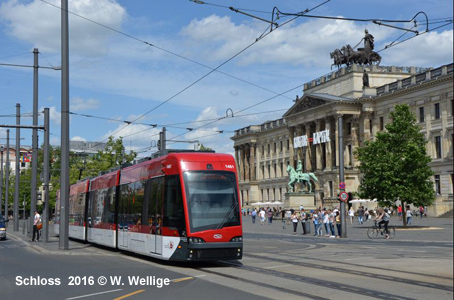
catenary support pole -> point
(33, 187)
(46, 177)
(64, 177)
(17, 173)
(341, 176)
(7, 176)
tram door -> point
(155, 212)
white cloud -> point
(307, 44)
(79, 104)
(38, 23)
(78, 138)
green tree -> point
(395, 165)
(203, 148)
(79, 167)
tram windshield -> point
(212, 200)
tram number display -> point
(343, 196)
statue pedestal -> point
(294, 200)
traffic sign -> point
(342, 185)
(343, 196)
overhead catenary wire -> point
(164, 50)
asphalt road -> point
(416, 264)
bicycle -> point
(375, 232)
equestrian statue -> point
(297, 176)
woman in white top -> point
(351, 214)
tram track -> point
(406, 272)
(357, 273)
(335, 286)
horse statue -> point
(296, 177)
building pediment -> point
(310, 101)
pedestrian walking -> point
(360, 213)
(315, 222)
(294, 219)
(36, 220)
(253, 215)
(421, 212)
(351, 214)
(409, 215)
(338, 224)
(284, 223)
(303, 218)
(262, 216)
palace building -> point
(308, 132)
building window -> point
(263, 172)
(263, 150)
(437, 185)
(421, 115)
(282, 146)
(275, 171)
(275, 148)
(437, 111)
(282, 169)
(349, 128)
(382, 124)
(370, 125)
(331, 191)
(288, 144)
(438, 151)
(269, 171)
(350, 158)
(269, 149)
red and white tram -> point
(180, 206)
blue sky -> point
(152, 59)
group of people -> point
(265, 215)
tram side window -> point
(76, 211)
(155, 190)
(173, 204)
(101, 209)
(131, 201)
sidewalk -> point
(52, 246)
(425, 229)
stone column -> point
(247, 162)
(242, 171)
(238, 161)
(367, 116)
(308, 148)
(291, 135)
(253, 163)
(318, 148)
(299, 151)
(355, 138)
(329, 163)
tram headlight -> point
(237, 239)
(196, 240)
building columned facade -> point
(308, 132)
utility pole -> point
(64, 178)
(7, 175)
(34, 139)
(17, 185)
(46, 176)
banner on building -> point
(317, 138)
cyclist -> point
(383, 216)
